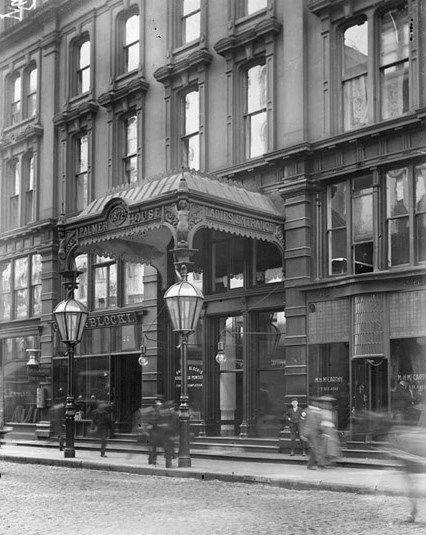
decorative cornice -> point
(16, 135)
(72, 113)
(133, 87)
(268, 27)
(196, 60)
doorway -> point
(369, 384)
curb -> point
(189, 473)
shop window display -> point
(19, 392)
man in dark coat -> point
(162, 429)
(294, 417)
(102, 423)
(311, 431)
(401, 400)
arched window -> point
(31, 92)
(15, 100)
(83, 67)
(131, 43)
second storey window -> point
(15, 194)
(191, 136)
(255, 113)
(29, 209)
(83, 68)
(377, 235)
(81, 177)
(131, 43)
(20, 288)
(105, 283)
(130, 157)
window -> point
(20, 288)
(406, 187)
(362, 224)
(191, 136)
(228, 263)
(255, 114)
(355, 76)
(81, 175)
(337, 228)
(15, 192)
(397, 216)
(31, 92)
(81, 292)
(5, 291)
(36, 285)
(131, 43)
(83, 68)
(420, 212)
(133, 283)
(130, 158)
(391, 49)
(29, 187)
(190, 20)
(360, 227)
(354, 225)
(255, 5)
(105, 283)
(15, 108)
(268, 263)
(394, 62)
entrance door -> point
(230, 329)
(126, 381)
(369, 384)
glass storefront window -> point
(328, 373)
(105, 272)
(19, 392)
(408, 363)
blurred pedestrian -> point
(401, 401)
(294, 416)
(102, 425)
(330, 438)
(311, 432)
(57, 417)
(161, 432)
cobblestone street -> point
(52, 500)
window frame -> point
(29, 287)
(381, 220)
(107, 264)
(31, 93)
(122, 46)
(26, 93)
(79, 172)
(184, 18)
(78, 69)
(126, 155)
(248, 116)
(374, 106)
(186, 136)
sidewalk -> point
(292, 476)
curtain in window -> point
(355, 102)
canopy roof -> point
(137, 221)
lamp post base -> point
(69, 453)
(184, 462)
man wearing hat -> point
(295, 415)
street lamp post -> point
(184, 302)
(70, 316)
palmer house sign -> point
(118, 217)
